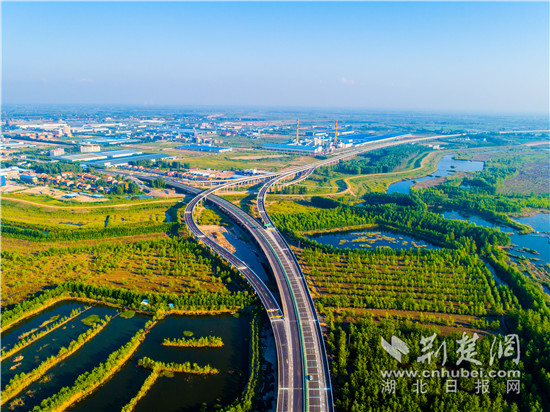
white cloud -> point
(345, 80)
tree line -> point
(202, 342)
(131, 299)
(186, 367)
(384, 160)
(42, 233)
(404, 219)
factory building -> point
(121, 161)
(57, 152)
(81, 157)
(205, 148)
(111, 154)
(89, 148)
(28, 178)
(294, 148)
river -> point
(522, 244)
(445, 167)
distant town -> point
(78, 154)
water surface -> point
(445, 167)
(522, 244)
(183, 392)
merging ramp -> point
(317, 385)
(303, 369)
(290, 371)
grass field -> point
(73, 218)
(287, 206)
(532, 177)
(531, 163)
(112, 201)
(208, 216)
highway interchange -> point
(303, 370)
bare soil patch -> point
(215, 233)
(58, 194)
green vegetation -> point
(186, 367)
(27, 340)
(359, 363)
(81, 219)
(448, 281)
(487, 193)
(293, 190)
(46, 201)
(212, 217)
(21, 381)
(91, 320)
(202, 342)
(158, 183)
(490, 206)
(129, 188)
(50, 234)
(128, 314)
(147, 384)
(517, 170)
(50, 320)
(172, 264)
(286, 207)
(445, 281)
(193, 302)
(238, 159)
(386, 160)
(374, 170)
(31, 306)
(89, 381)
(414, 220)
(160, 164)
(56, 168)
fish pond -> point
(182, 392)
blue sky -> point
(489, 57)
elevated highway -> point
(303, 370)
(287, 339)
